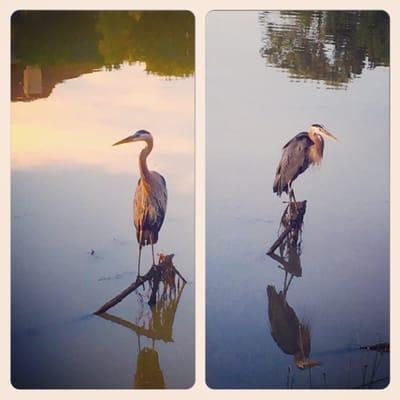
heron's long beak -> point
(329, 135)
(126, 140)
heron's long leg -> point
(290, 281)
(292, 198)
(140, 251)
(290, 202)
(152, 249)
(140, 254)
(301, 342)
(284, 286)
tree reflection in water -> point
(48, 47)
(327, 46)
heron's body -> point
(305, 149)
(150, 201)
(149, 206)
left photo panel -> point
(102, 199)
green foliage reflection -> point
(164, 40)
(329, 46)
(59, 45)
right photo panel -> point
(297, 214)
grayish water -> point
(255, 104)
(72, 192)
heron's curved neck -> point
(317, 149)
(144, 171)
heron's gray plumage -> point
(304, 149)
(294, 161)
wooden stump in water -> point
(162, 272)
(292, 221)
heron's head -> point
(317, 129)
(139, 136)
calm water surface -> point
(269, 76)
(111, 74)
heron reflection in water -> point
(305, 149)
(150, 201)
(156, 324)
(290, 334)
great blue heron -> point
(304, 149)
(150, 201)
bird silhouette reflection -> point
(292, 335)
(155, 323)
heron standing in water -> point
(304, 149)
(150, 201)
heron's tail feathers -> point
(280, 186)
